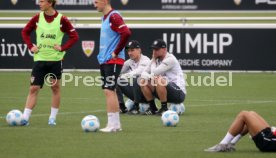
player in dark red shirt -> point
(66, 27)
(50, 27)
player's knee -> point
(143, 83)
(252, 112)
(34, 89)
(244, 113)
(55, 88)
(161, 82)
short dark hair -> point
(53, 2)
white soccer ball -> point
(170, 118)
(129, 104)
(143, 107)
(178, 108)
(14, 118)
(90, 123)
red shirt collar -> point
(49, 16)
(105, 16)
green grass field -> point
(209, 112)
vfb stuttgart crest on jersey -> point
(14, 2)
(237, 2)
(88, 47)
(124, 2)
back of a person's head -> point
(53, 2)
(107, 1)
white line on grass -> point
(48, 98)
(64, 113)
(229, 102)
(248, 102)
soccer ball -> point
(14, 117)
(178, 108)
(129, 104)
(143, 107)
(90, 123)
(170, 118)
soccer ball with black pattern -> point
(170, 118)
(90, 123)
(14, 118)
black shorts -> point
(110, 74)
(41, 69)
(174, 94)
(132, 90)
(265, 140)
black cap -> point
(133, 44)
(159, 43)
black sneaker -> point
(150, 112)
(134, 112)
(160, 111)
(123, 108)
(123, 111)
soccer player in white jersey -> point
(131, 70)
(163, 78)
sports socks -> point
(164, 105)
(113, 120)
(227, 139)
(152, 105)
(236, 139)
(117, 123)
(27, 113)
(122, 106)
(136, 106)
(54, 112)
